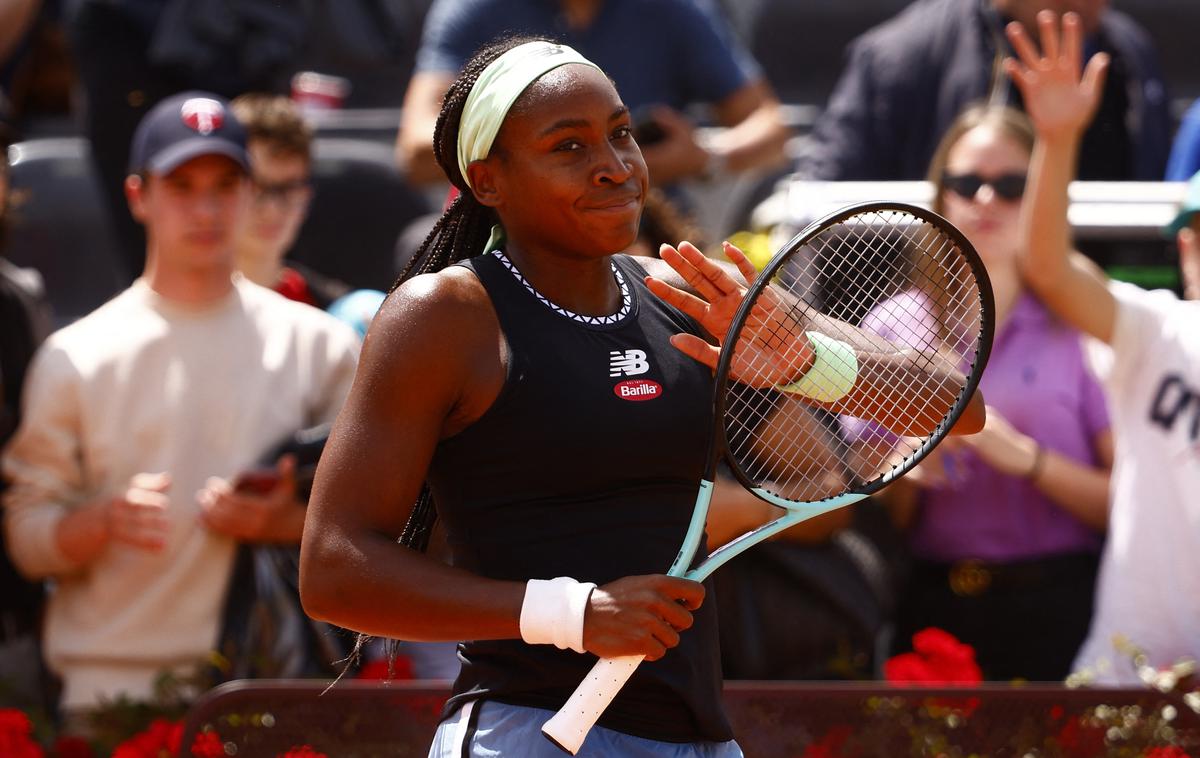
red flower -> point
(938, 658)
(208, 745)
(159, 740)
(72, 747)
(1080, 739)
(15, 735)
(304, 751)
(13, 721)
(1165, 752)
(832, 745)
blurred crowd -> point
(179, 327)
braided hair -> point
(463, 229)
(460, 233)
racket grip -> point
(570, 726)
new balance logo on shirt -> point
(632, 363)
(627, 363)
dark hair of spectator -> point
(1010, 122)
(663, 222)
(463, 230)
(276, 121)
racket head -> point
(892, 271)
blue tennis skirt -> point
(486, 729)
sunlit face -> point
(281, 192)
(567, 173)
(989, 220)
(191, 214)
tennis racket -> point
(908, 292)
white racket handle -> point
(570, 726)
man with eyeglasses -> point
(279, 143)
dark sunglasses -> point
(1006, 186)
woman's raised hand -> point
(1060, 95)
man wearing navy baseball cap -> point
(141, 416)
(183, 127)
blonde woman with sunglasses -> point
(1005, 527)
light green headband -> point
(498, 87)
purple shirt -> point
(1038, 381)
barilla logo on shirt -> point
(638, 389)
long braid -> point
(463, 229)
(460, 233)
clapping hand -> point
(1060, 95)
(138, 517)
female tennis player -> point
(1150, 571)
(534, 386)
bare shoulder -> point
(447, 302)
(439, 326)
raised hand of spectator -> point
(138, 516)
(256, 506)
(1059, 99)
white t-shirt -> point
(1149, 586)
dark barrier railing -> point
(771, 719)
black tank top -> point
(586, 465)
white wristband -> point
(833, 373)
(553, 610)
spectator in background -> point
(1185, 150)
(664, 223)
(908, 78)
(140, 415)
(1006, 526)
(279, 144)
(24, 322)
(1150, 573)
(664, 55)
(133, 53)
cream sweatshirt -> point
(147, 385)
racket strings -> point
(890, 284)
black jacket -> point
(24, 322)
(907, 79)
